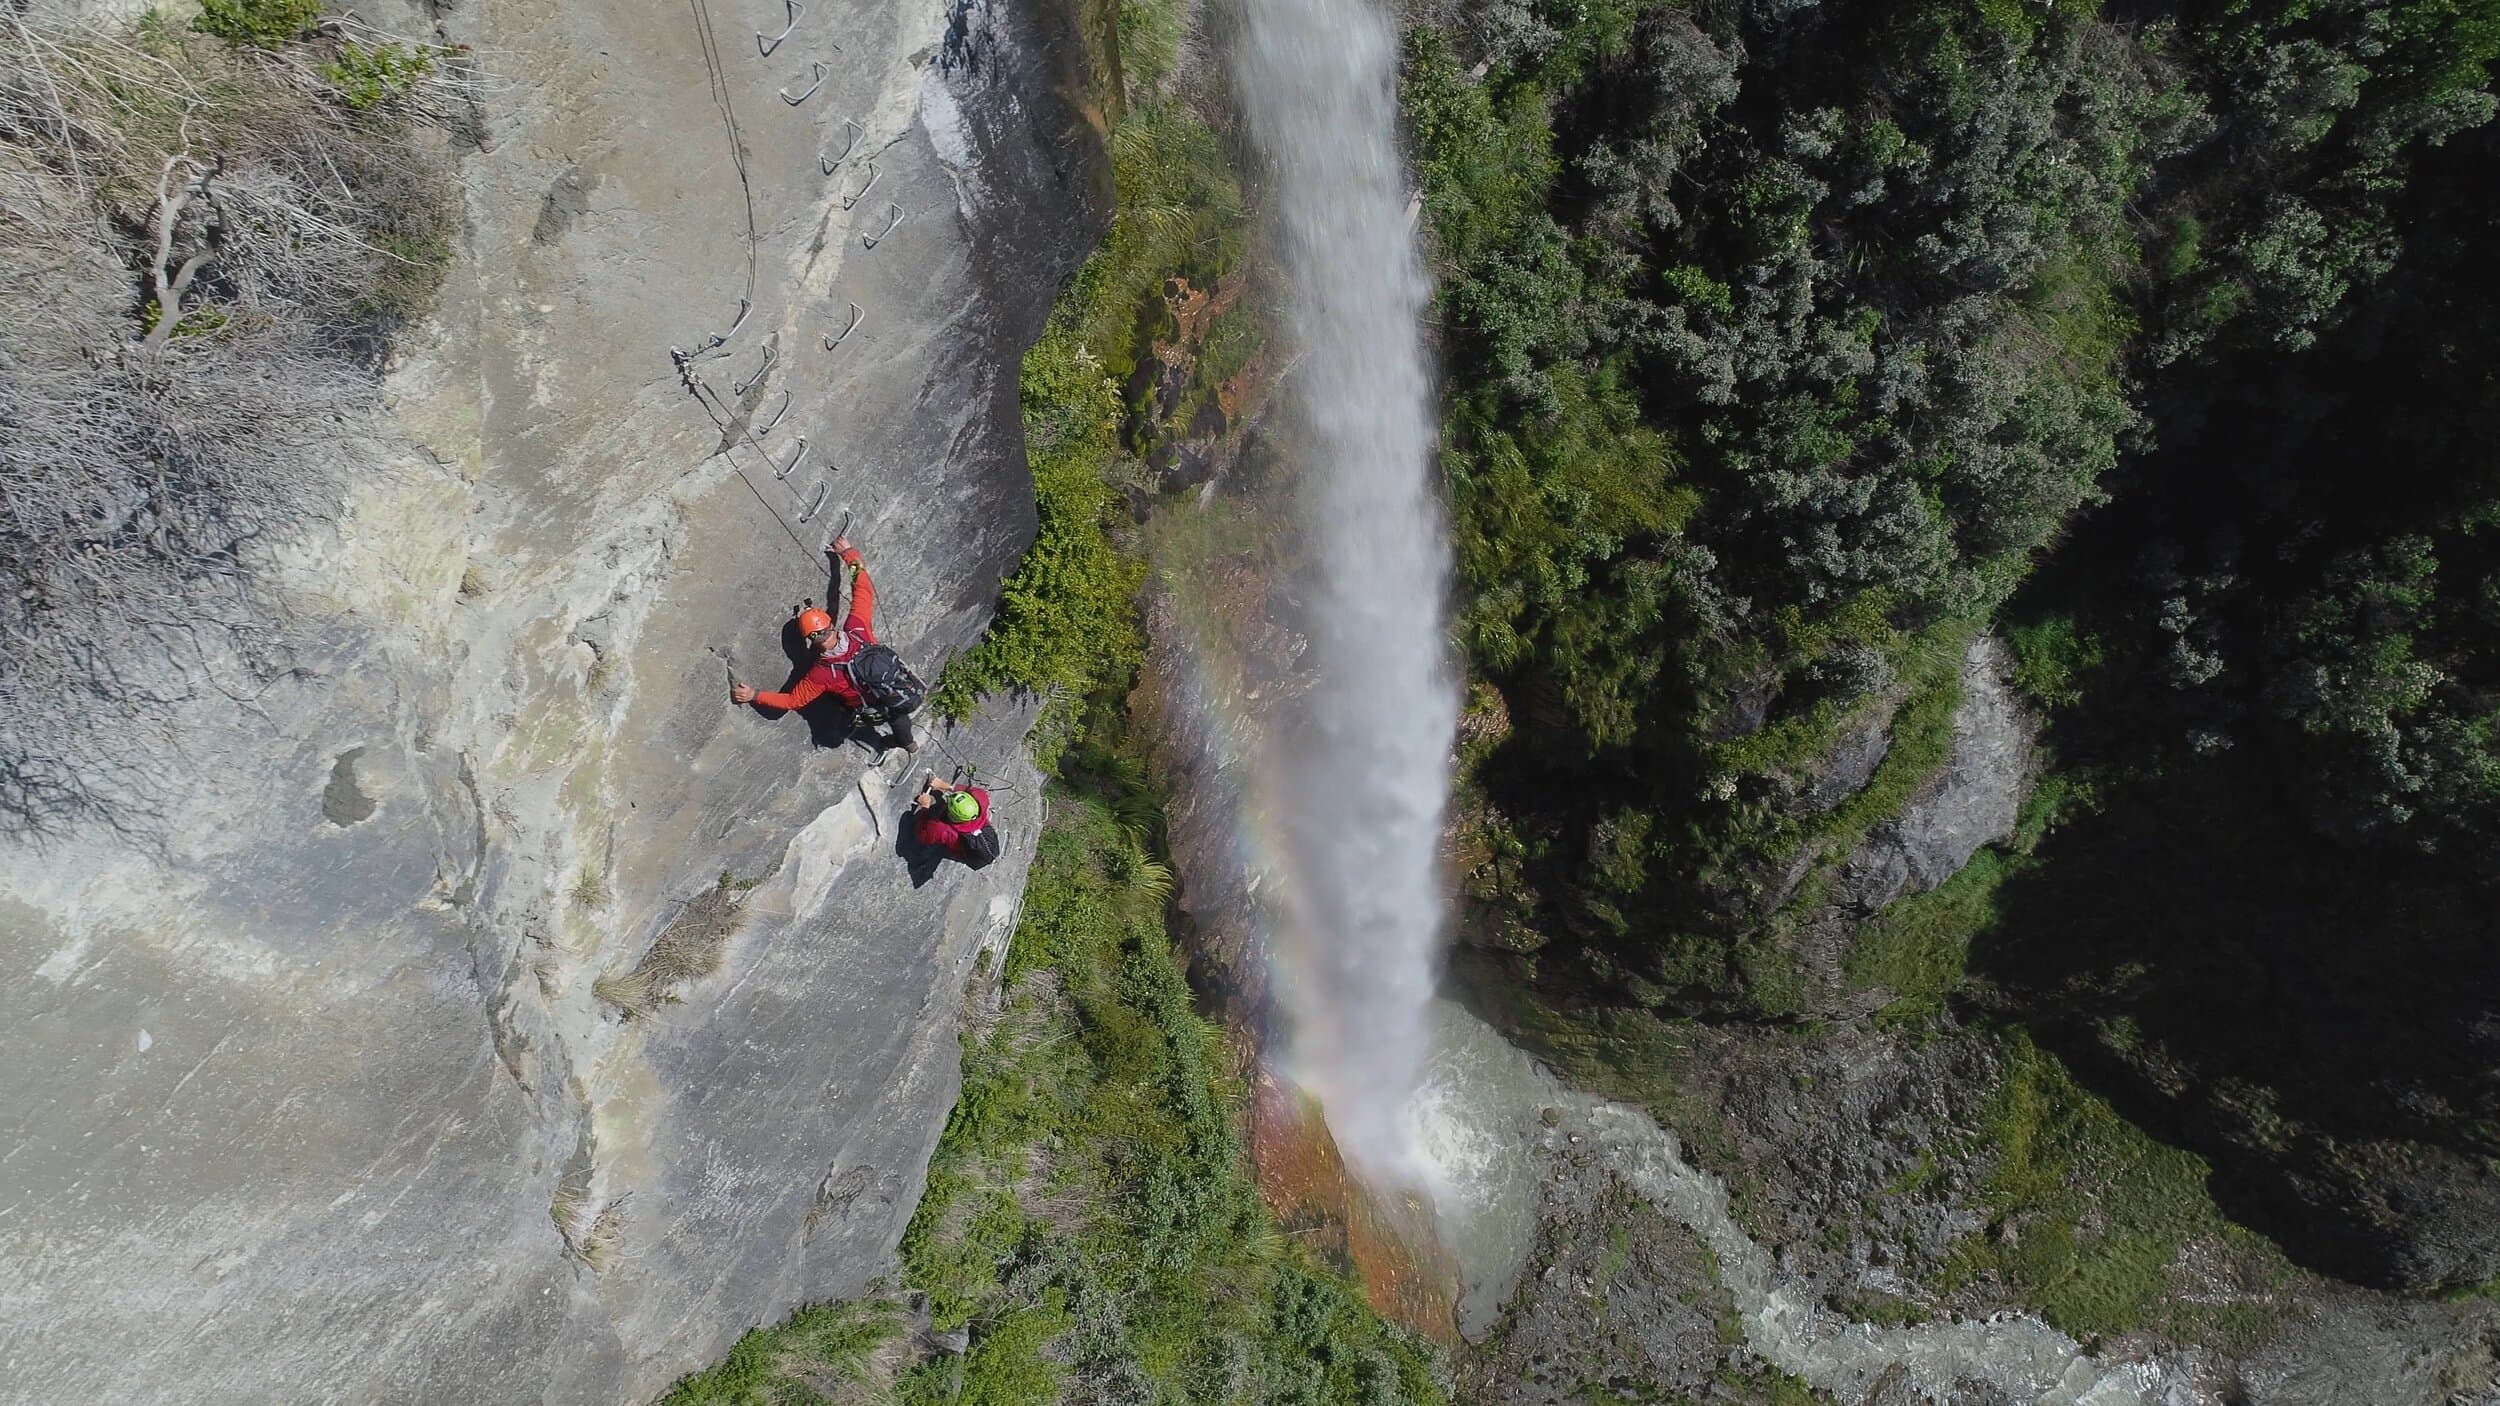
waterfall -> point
(1362, 759)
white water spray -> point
(1364, 757)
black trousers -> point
(898, 723)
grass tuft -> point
(2090, 1212)
(831, 1354)
(632, 993)
(261, 24)
(688, 950)
(1916, 948)
(599, 1243)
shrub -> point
(1067, 619)
(1066, 626)
(263, 24)
(820, 1346)
(144, 454)
(368, 75)
(2050, 659)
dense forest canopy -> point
(2288, 719)
(1792, 347)
(1784, 339)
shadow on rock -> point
(920, 860)
(2322, 1024)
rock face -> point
(1851, 765)
(321, 1088)
(1615, 1297)
(1971, 803)
(2361, 1348)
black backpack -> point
(979, 849)
(885, 683)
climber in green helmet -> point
(955, 821)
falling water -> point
(1416, 1092)
(1346, 838)
(1364, 756)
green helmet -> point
(962, 807)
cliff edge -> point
(491, 1013)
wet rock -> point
(1823, 1136)
(1895, 1388)
(1765, 1311)
(1618, 1299)
(1852, 1156)
(2355, 1348)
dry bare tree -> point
(202, 250)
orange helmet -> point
(811, 620)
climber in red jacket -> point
(955, 821)
(837, 651)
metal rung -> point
(857, 317)
(765, 44)
(818, 70)
(869, 241)
(848, 147)
(770, 355)
(862, 193)
(745, 306)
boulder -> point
(1972, 802)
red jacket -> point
(941, 833)
(827, 675)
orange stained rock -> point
(1387, 1248)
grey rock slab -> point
(1973, 802)
(1851, 764)
(2383, 1350)
(314, 1095)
